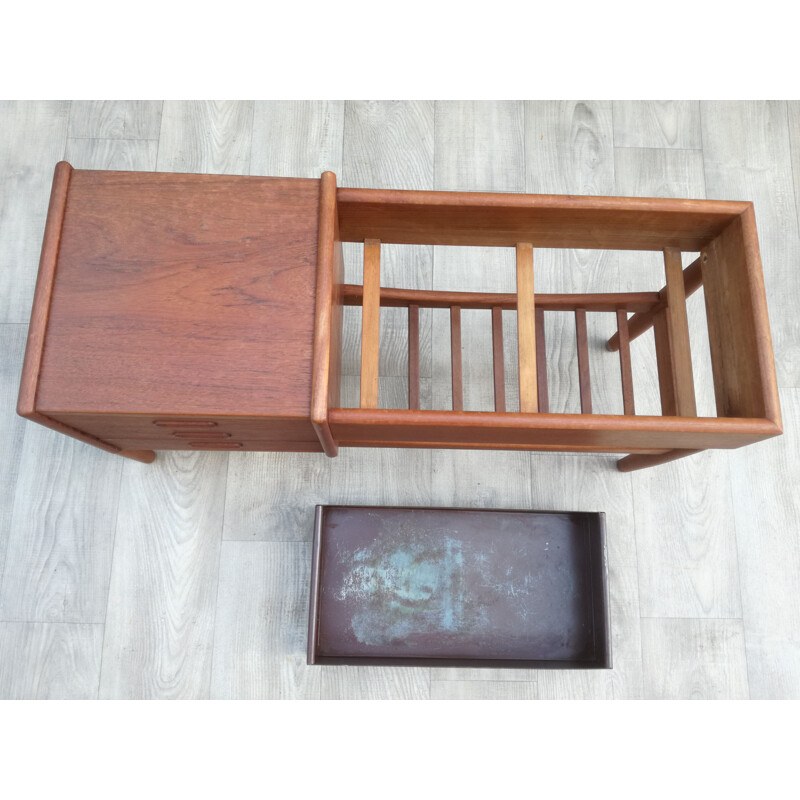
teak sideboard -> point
(178, 311)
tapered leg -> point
(145, 456)
(641, 460)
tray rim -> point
(602, 621)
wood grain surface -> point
(677, 325)
(62, 531)
(498, 364)
(262, 622)
(156, 217)
(413, 356)
(353, 293)
(271, 496)
(688, 565)
(326, 367)
(206, 136)
(115, 119)
(694, 659)
(526, 330)
(12, 428)
(49, 661)
(117, 154)
(627, 682)
(297, 138)
(743, 380)
(483, 690)
(657, 123)
(371, 324)
(401, 427)
(456, 360)
(626, 373)
(766, 513)
(162, 598)
(32, 141)
(794, 143)
(584, 376)
(493, 219)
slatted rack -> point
(650, 310)
(728, 265)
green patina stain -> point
(404, 588)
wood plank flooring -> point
(188, 578)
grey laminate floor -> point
(188, 578)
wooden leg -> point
(145, 456)
(642, 460)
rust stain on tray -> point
(405, 586)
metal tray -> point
(459, 587)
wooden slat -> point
(642, 460)
(625, 362)
(401, 298)
(644, 319)
(497, 355)
(664, 362)
(678, 331)
(584, 378)
(413, 356)
(541, 361)
(370, 324)
(455, 358)
(526, 329)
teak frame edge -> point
(40, 316)
(397, 216)
(742, 358)
(326, 363)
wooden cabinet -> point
(178, 311)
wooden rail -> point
(455, 358)
(402, 298)
(626, 372)
(413, 356)
(497, 358)
(643, 320)
(583, 361)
